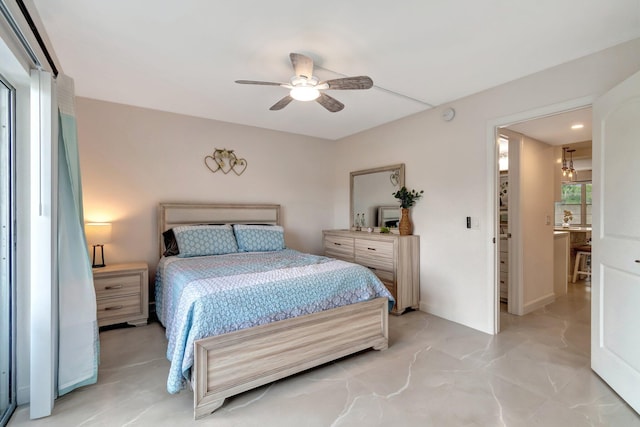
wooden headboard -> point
(174, 214)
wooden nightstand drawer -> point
(122, 293)
(117, 307)
(110, 287)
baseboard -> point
(539, 303)
(424, 307)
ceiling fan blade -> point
(330, 103)
(302, 65)
(281, 104)
(358, 82)
(254, 82)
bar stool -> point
(583, 254)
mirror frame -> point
(399, 167)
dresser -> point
(393, 258)
(122, 293)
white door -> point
(512, 238)
(615, 323)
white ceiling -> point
(556, 129)
(183, 56)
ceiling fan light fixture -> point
(304, 86)
(304, 93)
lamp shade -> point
(98, 233)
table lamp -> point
(98, 233)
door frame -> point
(493, 209)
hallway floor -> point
(435, 373)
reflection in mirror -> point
(372, 196)
(388, 216)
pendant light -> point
(568, 171)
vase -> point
(405, 226)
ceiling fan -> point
(305, 86)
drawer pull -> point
(115, 307)
(371, 249)
(501, 262)
(337, 244)
(372, 268)
(113, 287)
(502, 281)
(637, 261)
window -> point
(576, 199)
(503, 159)
(7, 285)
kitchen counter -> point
(573, 229)
(561, 262)
(578, 236)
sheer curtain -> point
(78, 343)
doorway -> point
(526, 224)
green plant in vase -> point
(407, 198)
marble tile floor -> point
(435, 373)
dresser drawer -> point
(118, 307)
(504, 280)
(504, 287)
(383, 275)
(504, 261)
(107, 287)
(338, 247)
(375, 254)
(392, 289)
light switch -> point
(473, 222)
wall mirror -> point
(372, 201)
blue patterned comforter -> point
(204, 296)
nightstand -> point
(122, 293)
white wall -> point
(133, 158)
(448, 160)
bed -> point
(221, 358)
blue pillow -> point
(200, 240)
(259, 238)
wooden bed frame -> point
(229, 364)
